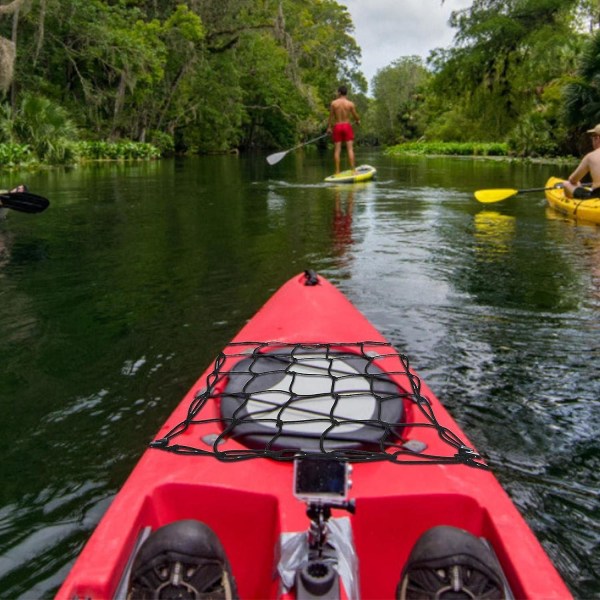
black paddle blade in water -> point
(24, 202)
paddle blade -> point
(24, 202)
(487, 196)
(275, 158)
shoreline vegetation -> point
(450, 148)
(24, 156)
(480, 150)
(19, 156)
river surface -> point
(116, 298)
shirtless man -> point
(589, 164)
(340, 111)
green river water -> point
(115, 299)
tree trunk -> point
(7, 63)
(15, 29)
(119, 103)
(41, 28)
(8, 48)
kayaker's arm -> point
(580, 172)
(590, 163)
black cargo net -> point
(339, 400)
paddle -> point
(488, 196)
(275, 158)
(24, 202)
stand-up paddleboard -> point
(362, 173)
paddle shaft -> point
(309, 142)
(275, 158)
(542, 189)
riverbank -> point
(482, 150)
(23, 156)
(66, 153)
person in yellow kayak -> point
(340, 112)
(590, 163)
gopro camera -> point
(321, 480)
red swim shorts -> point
(342, 132)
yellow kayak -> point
(362, 173)
(582, 210)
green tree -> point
(395, 114)
(582, 94)
(42, 125)
(93, 57)
(505, 53)
(8, 45)
(210, 74)
(165, 103)
(274, 108)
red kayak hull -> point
(249, 504)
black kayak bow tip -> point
(24, 202)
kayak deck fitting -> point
(260, 451)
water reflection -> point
(583, 239)
(495, 233)
(342, 221)
(6, 240)
(595, 267)
(514, 263)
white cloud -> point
(389, 29)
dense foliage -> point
(396, 112)
(505, 77)
(451, 148)
(522, 72)
(223, 75)
(196, 75)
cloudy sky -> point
(388, 29)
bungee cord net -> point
(357, 402)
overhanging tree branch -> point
(11, 7)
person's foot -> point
(184, 559)
(450, 562)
